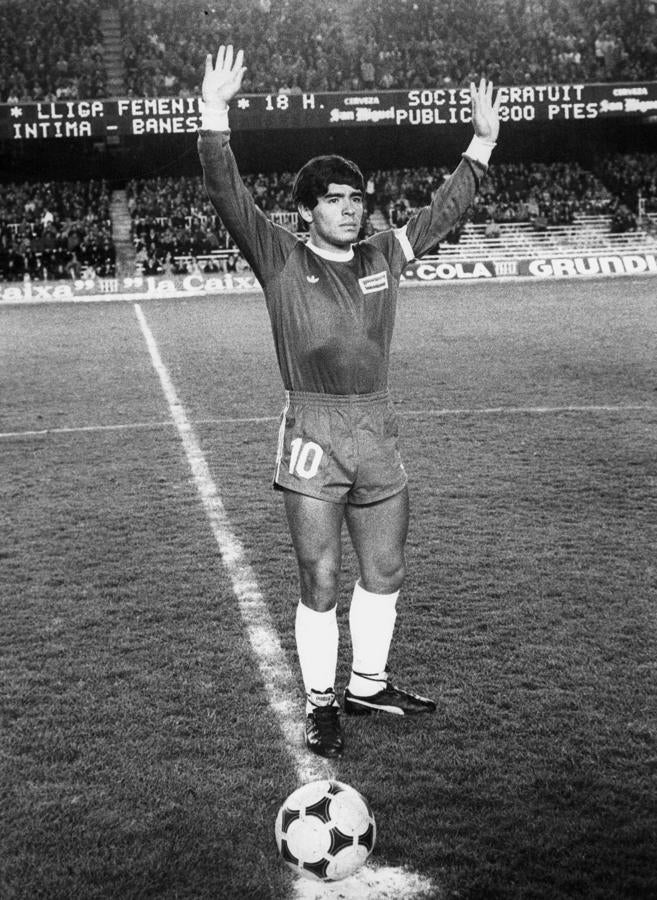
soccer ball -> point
(325, 830)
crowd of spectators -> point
(54, 230)
(53, 49)
(328, 45)
(539, 193)
(50, 50)
(633, 177)
(173, 222)
(289, 44)
(171, 218)
(63, 229)
(415, 43)
(341, 45)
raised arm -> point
(222, 79)
(428, 226)
(485, 112)
(263, 244)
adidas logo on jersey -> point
(373, 283)
(312, 279)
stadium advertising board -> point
(431, 106)
(421, 272)
(604, 264)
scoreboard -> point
(443, 107)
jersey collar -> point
(334, 255)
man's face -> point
(335, 221)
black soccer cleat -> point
(323, 731)
(389, 699)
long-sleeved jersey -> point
(332, 318)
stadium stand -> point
(588, 234)
(65, 49)
(633, 177)
(51, 50)
(527, 209)
(55, 230)
(289, 45)
(174, 227)
(540, 193)
(415, 43)
(69, 49)
(390, 43)
(166, 225)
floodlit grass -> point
(139, 756)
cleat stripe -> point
(395, 710)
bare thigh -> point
(378, 533)
(315, 527)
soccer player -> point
(332, 302)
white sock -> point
(372, 622)
(317, 646)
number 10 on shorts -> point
(305, 458)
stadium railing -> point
(588, 234)
(222, 259)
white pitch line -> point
(371, 882)
(528, 410)
(279, 681)
(262, 420)
(134, 426)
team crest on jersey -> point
(371, 284)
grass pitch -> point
(139, 755)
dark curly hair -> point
(314, 177)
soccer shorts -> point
(341, 448)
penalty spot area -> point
(372, 882)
